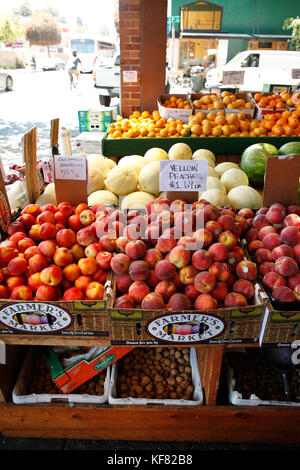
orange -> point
(257, 97)
(293, 121)
(277, 130)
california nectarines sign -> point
(185, 327)
(35, 317)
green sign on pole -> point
(173, 19)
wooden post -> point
(30, 160)
(54, 136)
(153, 52)
(210, 363)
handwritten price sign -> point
(183, 175)
(70, 168)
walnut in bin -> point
(156, 373)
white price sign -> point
(70, 168)
(233, 77)
(183, 175)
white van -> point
(256, 68)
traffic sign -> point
(173, 19)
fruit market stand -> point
(207, 421)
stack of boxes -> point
(97, 120)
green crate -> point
(218, 145)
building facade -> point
(209, 31)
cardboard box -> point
(219, 326)
(261, 112)
(103, 114)
(113, 398)
(174, 113)
(197, 96)
(21, 391)
(247, 97)
(89, 142)
(69, 374)
(93, 126)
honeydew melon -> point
(155, 153)
(121, 181)
(136, 162)
(242, 197)
(103, 197)
(224, 166)
(95, 180)
(137, 200)
(95, 160)
(149, 178)
(204, 152)
(180, 151)
(234, 177)
(215, 197)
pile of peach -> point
(183, 257)
(176, 102)
(53, 253)
(274, 242)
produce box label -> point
(185, 328)
(183, 175)
(87, 318)
(35, 317)
(68, 378)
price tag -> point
(70, 168)
(233, 77)
(296, 74)
(183, 175)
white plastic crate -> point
(197, 395)
(236, 398)
(20, 393)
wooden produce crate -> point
(87, 318)
(282, 326)
(219, 326)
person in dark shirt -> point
(73, 68)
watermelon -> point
(253, 162)
(290, 148)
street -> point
(36, 99)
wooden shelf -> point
(160, 423)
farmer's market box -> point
(219, 326)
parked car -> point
(54, 64)
(6, 81)
(107, 76)
(256, 68)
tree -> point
(10, 29)
(43, 29)
(23, 9)
(294, 25)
